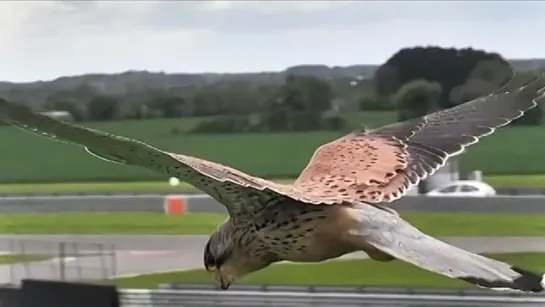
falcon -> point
(341, 202)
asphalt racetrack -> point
(140, 254)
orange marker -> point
(174, 204)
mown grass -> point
(437, 224)
(341, 272)
(30, 158)
(185, 188)
(15, 258)
(509, 151)
(109, 223)
(100, 187)
(537, 180)
(95, 188)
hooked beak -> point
(224, 285)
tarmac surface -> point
(203, 203)
(141, 254)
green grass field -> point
(344, 272)
(95, 187)
(437, 224)
(9, 259)
(537, 180)
(107, 223)
(100, 187)
(30, 158)
(184, 188)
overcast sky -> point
(45, 40)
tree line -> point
(414, 81)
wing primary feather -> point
(219, 181)
(375, 165)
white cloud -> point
(268, 6)
(47, 39)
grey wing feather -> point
(233, 188)
(391, 234)
(433, 138)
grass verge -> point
(437, 224)
(343, 272)
(101, 187)
(8, 259)
(280, 154)
(94, 188)
(184, 188)
(516, 180)
(109, 223)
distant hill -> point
(136, 81)
(528, 64)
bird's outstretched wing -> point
(391, 234)
(373, 166)
(380, 165)
(236, 190)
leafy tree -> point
(167, 106)
(417, 98)
(387, 78)
(333, 123)
(206, 101)
(240, 97)
(276, 116)
(485, 78)
(297, 105)
(103, 108)
(304, 93)
(369, 100)
(448, 67)
(173, 106)
(22, 104)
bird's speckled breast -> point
(300, 232)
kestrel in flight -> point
(340, 203)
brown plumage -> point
(338, 204)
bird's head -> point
(227, 260)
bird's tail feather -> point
(393, 235)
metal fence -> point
(54, 260)
(320, 296)
(315, 296)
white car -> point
(464, 188)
